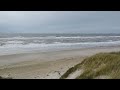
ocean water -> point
(12, 43)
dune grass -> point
(102, 65)
(5, 78)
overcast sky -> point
(60, 21)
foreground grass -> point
(102, 65)
(5, 78)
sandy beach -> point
(45, 65)
(49, 44)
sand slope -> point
(49, 65)
(47, 70)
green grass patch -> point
(102, 64)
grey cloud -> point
(60, 21)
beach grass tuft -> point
(5, 78)
(99, 66)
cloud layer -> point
(60, 21)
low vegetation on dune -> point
(99, 66)
(5, 78)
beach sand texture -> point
(47, 65)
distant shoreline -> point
(30, 42)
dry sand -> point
(47, 65)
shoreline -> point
(45, 65)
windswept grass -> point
(105, 65)
(5, 78)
